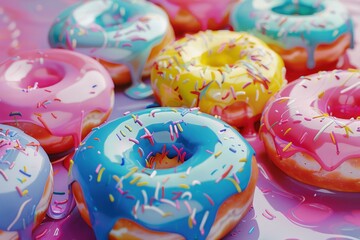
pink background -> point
(283, 208)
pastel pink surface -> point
(283, 208)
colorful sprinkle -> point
(287, 147)
(100, 174)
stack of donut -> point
(157, 173)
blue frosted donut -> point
(26, 183)
(306, 33)
(164, 173)
(116, 31)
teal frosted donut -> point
(164, 174)
(308, 34)
(116, 31)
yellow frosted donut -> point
(224, 73)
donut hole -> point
(219, 58)
(299, 9)
(163, 151)
(42, 76)
(110, 19)
(165, 156)
(345, 105)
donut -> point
(311, 130)
(163, 173)
(309, 35)
(26, 180)
(225, 73)
(56, 96)
(189, 16)
(126, 32)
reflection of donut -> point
(26, 182)
(191, 16)
(307, 34)
(311, 130)
(117, 32)
(56, 96)
(225, 73)
(164, 173)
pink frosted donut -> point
(311, 130)
(191, 16)
(56, 96)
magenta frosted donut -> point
(26, 180)
(55, 96)
(191, 16)
(311, 130)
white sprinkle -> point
(322, 130)
(193, 214)
(158, 210)
(350, 87)
(18, 214)
(167, 201)
(196, 182)
(257, 95)
(153, 174)
(136, 208)
(187, 194)
(144, 196)
(203, 221)
(156, 195)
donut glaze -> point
(191, 16)
(120, 182)
(56, 92)
(316, 118)
(26, 182)
(322, 28)
(121, 32)
(225, 73)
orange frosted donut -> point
(56, 96)
(309, 35)
(191, 16)
(164, 174)
(26, 180)
(311, 130)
